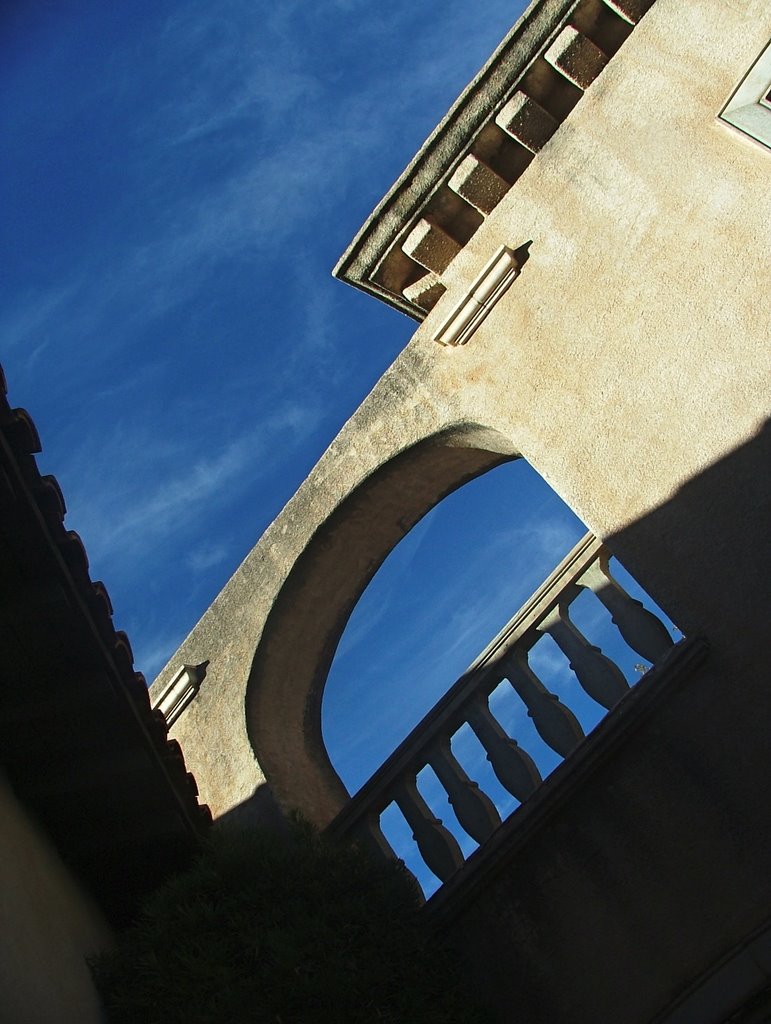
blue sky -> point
(179, 180)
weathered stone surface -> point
(425, 292)
(526, 122)
(478, 184)
(630, 10)
(576, 57)
(431, 246)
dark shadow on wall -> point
(641, 892)
(260, 810)
(705, 554)
(639, 895)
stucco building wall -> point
(628, 357)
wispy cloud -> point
(244, 84)
(189, 332)
(34, 316)
(206, 555)
(144, 491)
(153, 646)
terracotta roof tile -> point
(79, 741)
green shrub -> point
(285, 931)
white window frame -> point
(748, 109)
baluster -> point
(514, 768)
(474, 809)
(641, 629)
(437, 846)
(601, 678)
(556, 724)
(367, 831)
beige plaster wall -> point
(634, 347)
(629, 358)
(47, 928)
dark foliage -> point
(286, 931)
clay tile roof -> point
(79, 741)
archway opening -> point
(524, 529)
(439, 597)
(310, 612)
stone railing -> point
(467, 703)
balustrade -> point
(506, 658)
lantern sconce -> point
(180, 692)
(495, 278)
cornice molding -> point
(479, 149)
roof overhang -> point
(485, 142)
(82, 749)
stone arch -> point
(310, 612)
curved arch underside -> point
(303, 629)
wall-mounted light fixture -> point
(749, 108)
(180, 691)
(495, 278)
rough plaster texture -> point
(47, 928)
(629, 357)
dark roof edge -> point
(99, 672)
